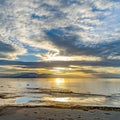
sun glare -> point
(57, 99)
(59, 80)
(53, 57)
(59, 58)
(61, 99)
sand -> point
(47, 113)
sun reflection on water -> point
(59, 80)
(61, 99)
(78, 100)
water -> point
(62, 91)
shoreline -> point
(59, 106)
(59, 113)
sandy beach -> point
(52, 113)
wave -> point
(62, 92)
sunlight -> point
(61, 99)
(53, 57)
(59, 80)
(57, 99)
(61, 68)
(58, 58)
(59, 83)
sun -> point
(59, 80)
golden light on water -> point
(81, 100)
(61, 99)
(59, 80)
(57, 99)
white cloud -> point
(96, 22)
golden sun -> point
(59, 80)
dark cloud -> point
(70, 44)
(2, 2)
(8, 51)
(104, 63)
(108, 75)
(70, 2)
(56, 13)
(82, 66)
(3, 56)
(5, 48)
(38, 17)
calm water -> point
(44, 91)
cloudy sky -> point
(78, 38)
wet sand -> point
(52, 113)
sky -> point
(61, 38)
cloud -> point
(31, 30)
(44, 64)
(64, 68)
(32, 19)
(82, 15)
(2, 2)
(6, 47)
(8, 51)
(70, 44)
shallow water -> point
(44, 91)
